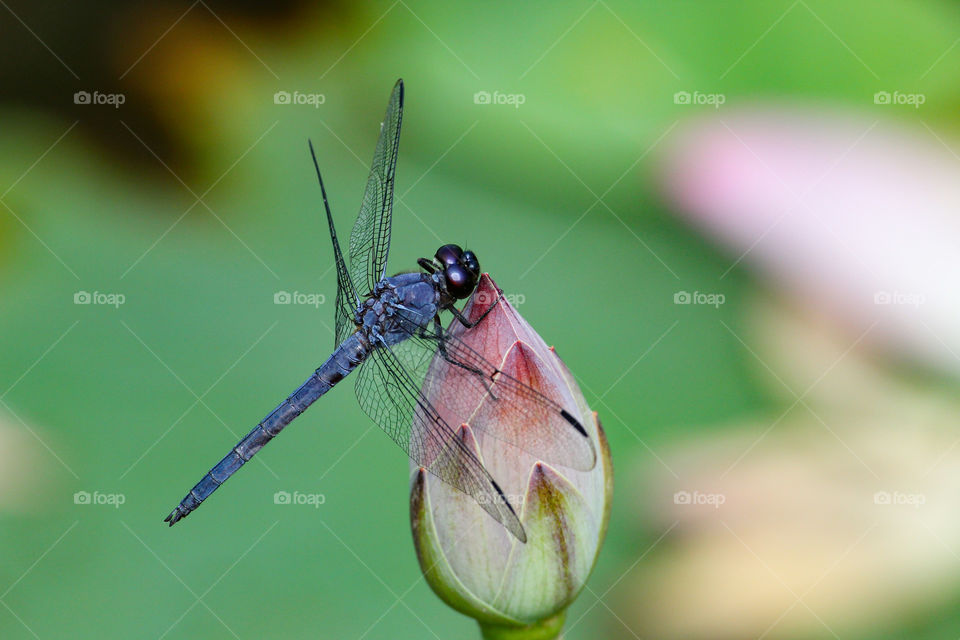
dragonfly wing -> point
(370, 239)
(390, 394)
(347, 300)
(510, 401)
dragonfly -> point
(388, 329)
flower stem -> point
(548, 629)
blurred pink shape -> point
(858, 216)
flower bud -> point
(513, 589)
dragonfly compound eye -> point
(460, 282)
(449, 255)
(471, 263)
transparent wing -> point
(347, 300)
(370, 239)
(390, 395)
(510, 401)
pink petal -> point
(857, 216)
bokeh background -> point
(737, 222)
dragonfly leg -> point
(442, 348)
(469, 325)
(427, 265)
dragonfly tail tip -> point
(175, 516)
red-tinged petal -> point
(498, 330)
(511, 421)
(527, 367)
(537, 428)
(484, 297)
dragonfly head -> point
(461, 270)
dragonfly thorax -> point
(399, 304)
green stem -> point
(548, 629)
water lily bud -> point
(513, 589)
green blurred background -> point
(195, 199)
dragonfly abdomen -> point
(345, 359)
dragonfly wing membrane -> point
(392, 397)
(498, 399)
(370, 239)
